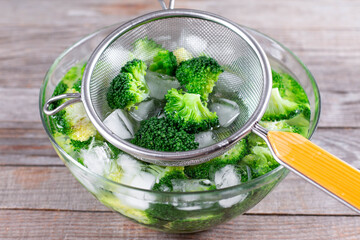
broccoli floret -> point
(129, 87)
(280, 126)
(164, 62)
(289, 88)
(59, 89)
(74, 75)
(199, 75)
(159, 212)
(182, 54)
(137, 68)
(255, 140)
(280, 108)
(188, 112)
(112, 201)
(301, 122)
(162, 135)
(146, 49)
(78, 145)
(196, 223)
(206, 169)
(163, 180)
(77, 85)
(192, 185)
(260, 161)
(73, 120)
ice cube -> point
(205, 139)
(115, 58)
(143, 180)
(228, 83)
(159, 84)
(145, 110)
(119, 124)
(133, 174)
(129, 164)
(133, 200)
(226, 110)
(226, 177)
(97, 158)
(194, 44)
(191, 185)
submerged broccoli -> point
(280, 126)
(129, 87)
(137, 68)
(260, 161)
(146, 49)
(74, 75)
(162, 135)
(164, 178)
(73, 120)
(188, 112)
(164, 62)
(280, 108)
(289, 88)
(182, 54)
(199, 75)
(206, 169)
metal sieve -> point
(250, 82)
(247, 67)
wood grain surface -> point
(40, 199)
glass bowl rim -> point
(254, 183)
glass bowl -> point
(177, 212)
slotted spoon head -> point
(247, 74)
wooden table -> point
(40, 199)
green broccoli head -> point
(301, 122)
(164, 62)
(280, 108)
(188, 112)
(199, 75)
(160, 134)
(289, 88)
(126, 91)
(78, 145)
(72, 121)
(77, 85)
(146, 49)
(205, 170)
(255, 140)
(164, 179)
(260, 161)
(74, 75)
(280, 126)
(137, 68)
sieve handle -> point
(316, 165)
(163, 4)
(74, 97)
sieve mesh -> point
(246, 79)
(241, 82)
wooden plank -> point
(297, 13)
(293, 195)
(55, 188)
(90, 225)
(320, 44)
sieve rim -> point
(196, 155)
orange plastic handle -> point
(319, 166)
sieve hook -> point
(75, 97)
(163, 4)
